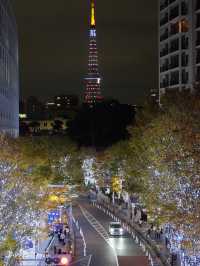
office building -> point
(9, 71)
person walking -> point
(66, 231)
(62, 238)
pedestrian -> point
(140, 223)
(66, 231)
(62, 237)
(166, 242)
(149, 232)
(59, 235)
(55, 250)
(161, 231)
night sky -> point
(53, 39)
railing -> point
(46, 251)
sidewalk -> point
(155, 242)
(154, 238)
(32, 256)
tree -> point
(27, 166)
(166, 161)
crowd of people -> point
(64, 239)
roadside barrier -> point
(82, 236)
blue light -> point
(92, 33)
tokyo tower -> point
(92, 80)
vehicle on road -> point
(115, 229)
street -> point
(106, 250)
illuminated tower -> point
(92, 80)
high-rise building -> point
(179, 45)
(93, 79)
(9, 72)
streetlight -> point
(64, 261)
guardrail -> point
(81, 234)
(46, 251)
(149, 248)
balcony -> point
(184, 9)
(174, 78)
(164, 35)
(174, 12)
(174, 61)
(171, 1)
(198, 60)
(184, 43)
(198, 74)
(198, 21)
(164, 68)
(184, 77)
(163, 5)
(184, 60)
(198, 5)
(174, 29)
(198, 39)
(174, 65)
(164, 20)
(174, 46)
(164, 84)
(164, 52)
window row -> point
(173, 62)
(6, 116)
(174, 78)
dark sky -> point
(53, 46)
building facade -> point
(179, 45)
(9, 71)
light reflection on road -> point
(117, 243)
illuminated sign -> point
(92, 33)
(22, 116)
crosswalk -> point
(95, 224)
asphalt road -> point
(106, 251)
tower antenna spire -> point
(93, 19)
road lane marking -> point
(86, 261)
(99, 229)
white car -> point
(115, 229)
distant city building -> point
(179, 46)
(43, 126)
(62, 105)
(34, 108)
(47, 118)
(92, 80)
(9, 71)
